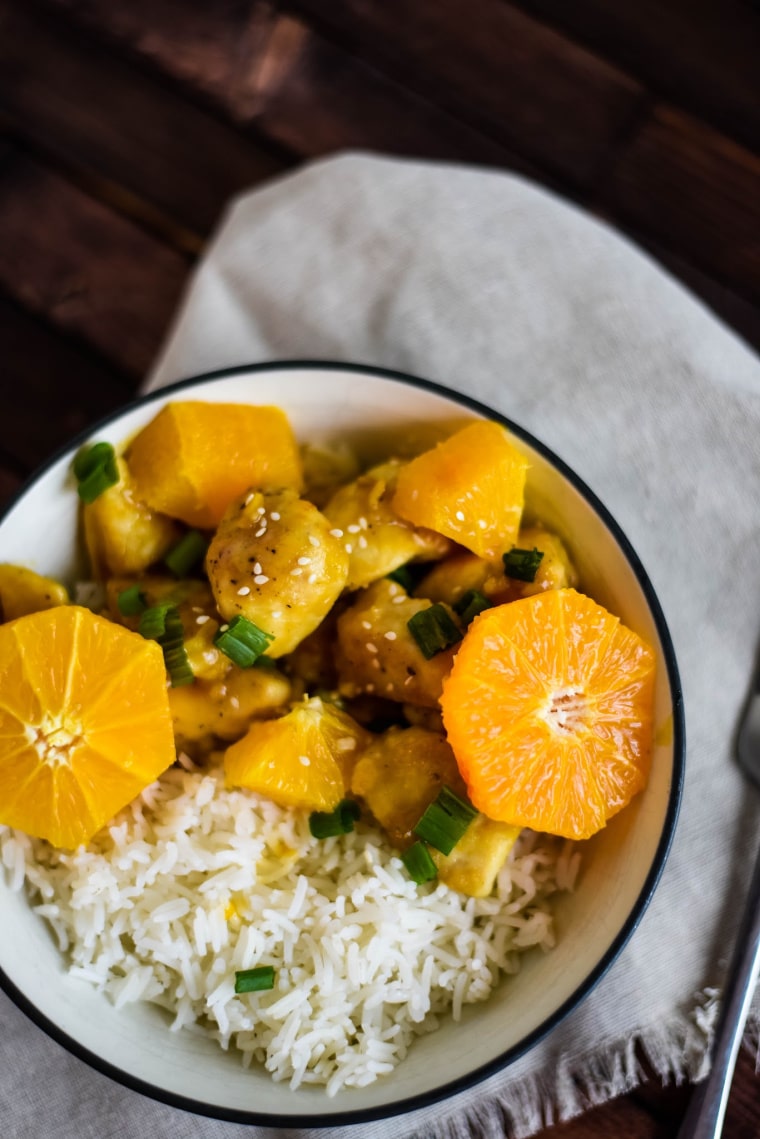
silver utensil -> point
(704, 1117)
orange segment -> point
(85, 723)
(470, 488)
(548, 709)
(193, 458)
(302, 760)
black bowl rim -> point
(500, 1062)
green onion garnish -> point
(163, 623)
(95, 470)
(326, 824)
(403, 576)
(433, 630)
(255, 980)
(131, 602)
(419, 863)
(470, 604)
(186, 555)
(242, 641)
(522, 565)
(445, 821)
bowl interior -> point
(620, 865)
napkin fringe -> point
(676, 1051)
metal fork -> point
(704, 1117)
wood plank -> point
(695, 191)
(296, 87)
(91, 109)
(84, 268)
(700, 54)
(494, 67)
(53, 387)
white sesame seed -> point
(260, 579)
(399, 600)
(370, 647)
(460, 515)
(296, 572)
(349, 548)
(223, 628)
(304, 759)
(211, 656)
(257, 568)
(202, 619)
(234, 702)
(363, 523)
(260, 532)
(275, 516)
(390, 635)
(304, 561)
(375, 662)
(311, 578)
(249, 498)
(362, 542)
(197, 609)
(244, 590)
(336, 533)
(482, 523)
(277, 613)
(408, 680)
(314, 541)
(366, 624)
(353, 528)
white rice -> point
(192, 883)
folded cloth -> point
(494, 287)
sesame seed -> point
(399, 600)
(362, 542)
(202, 619)
(304, 561)
(370, 647)
(482, 523)
(296, 572)
(260, 579)
(311, 578)
(275, 516)
(260, 532)
(460, 515)
(363, 523)
(244, 590)
(223, 628)
(408, 681)
(257, 567)
(336, 533)
(349, 548)
(353, 528)
(347, 743)
(366, 624)
(314, 541)
(276, 613)
(234, 702)
(375, 662)
(304, 759)
(249, 498)
(197, 609)
(211, 656)
(390, 635)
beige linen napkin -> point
(495, 288)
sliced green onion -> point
(186, 555)
(433, 630)
(256, 980)
(163, 623)
(403, 576)
(445, 821)
(327, 824)
(470, 604)
(131, 602)
(242, 641)
(95, 470)
(522, 565)
(419, 863)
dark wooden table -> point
(126, 124)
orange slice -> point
(470, 488)
(85, 723)
(193, 458)
(548, 709)
(302, 760)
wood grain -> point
(95, 111)
(84, 268)
(550, 101)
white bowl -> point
(621, 865)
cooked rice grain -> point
(192, 883)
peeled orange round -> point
(548, 708)
(85, 723)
